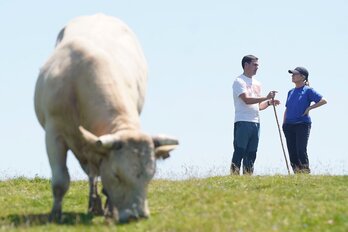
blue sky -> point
(193, 50)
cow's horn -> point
(161, 140)
(88, 136)
(163, 145)
(106, 141)
(102, 142)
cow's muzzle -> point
(126, 215)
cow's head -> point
(128, 164)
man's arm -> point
(254, 100)
(263, 105)
(266, 104)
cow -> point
(88, 99)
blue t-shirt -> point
(299, 99)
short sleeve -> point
(314, 95)
(287, 98)
(239, 87)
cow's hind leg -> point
(57, 154)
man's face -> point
(252, 67)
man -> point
(247, 103)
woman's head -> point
(299, 74)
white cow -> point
(88, 98)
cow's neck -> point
(123, 122)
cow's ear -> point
(163, 145)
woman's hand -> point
(307, 111)
(318, 104)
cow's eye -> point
(117, 177)
(117, 145)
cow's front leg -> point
(110, 212)
(95, 204)
(57, 153)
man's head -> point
(250, 65)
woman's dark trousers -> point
(297, 136)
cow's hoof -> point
(55, 217)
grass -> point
(245, 203)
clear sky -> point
(193, 49)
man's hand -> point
(274, 102)
(271, 95)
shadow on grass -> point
(68, 218)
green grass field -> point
(245, 203)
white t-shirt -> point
(252, 88)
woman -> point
(297, 123)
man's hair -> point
(248, 59)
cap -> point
(300, 70)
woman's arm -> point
(316, 105)
(284, 117)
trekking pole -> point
(280, 136)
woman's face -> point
(297, 78)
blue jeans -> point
(297, 136)
(245, 143)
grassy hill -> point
(245, 203)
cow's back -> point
(109, 35)
(96, 72)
